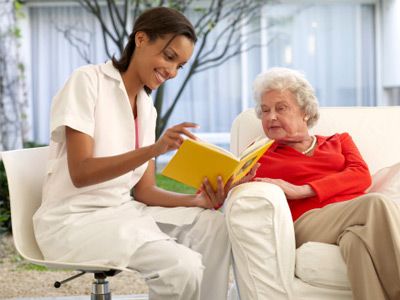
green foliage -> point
(16, 32)
(18, 5)
(31, 267)
(5, 215)
(23, 265)
(172, 185)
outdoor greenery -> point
(5, 219)
(172, 185)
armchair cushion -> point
(321, 265)
(387, 181)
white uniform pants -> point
(193, 266)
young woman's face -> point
(282, 117)
(160, 60)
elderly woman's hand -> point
(291, 191)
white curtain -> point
(54, 57)
(334, 45)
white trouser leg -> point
(209, 237)
(171, 271)
(261, 231)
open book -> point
(195, 160)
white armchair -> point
(320, 272)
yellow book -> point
(195, 160)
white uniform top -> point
(100, 223)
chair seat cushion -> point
(387, 182)
(321, 265)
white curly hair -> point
(281, 79)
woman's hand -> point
(172, 137)
(291, 191)
(207, 197)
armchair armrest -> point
(261, 230)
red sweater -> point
(336, 171)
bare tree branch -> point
(96, 11)
(111, 13)
(81, 45)
(136, 10)
(198, 25)
(226, 58)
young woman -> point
(103, 145)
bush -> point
(5, 215)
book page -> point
(253, 147)
(251, 157)
(214, 147)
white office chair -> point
(25, 171)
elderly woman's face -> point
(282, 117)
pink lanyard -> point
(136, 134)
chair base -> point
(100, 286)
(100, 297)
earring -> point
(306, 118)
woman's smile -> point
(160, 77)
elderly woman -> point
(321, 181)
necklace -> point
(314, 141)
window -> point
(333, 44)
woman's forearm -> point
(306, 191)
(154, 196)
(99, 169)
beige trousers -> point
(367, 230)
(193, 265)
